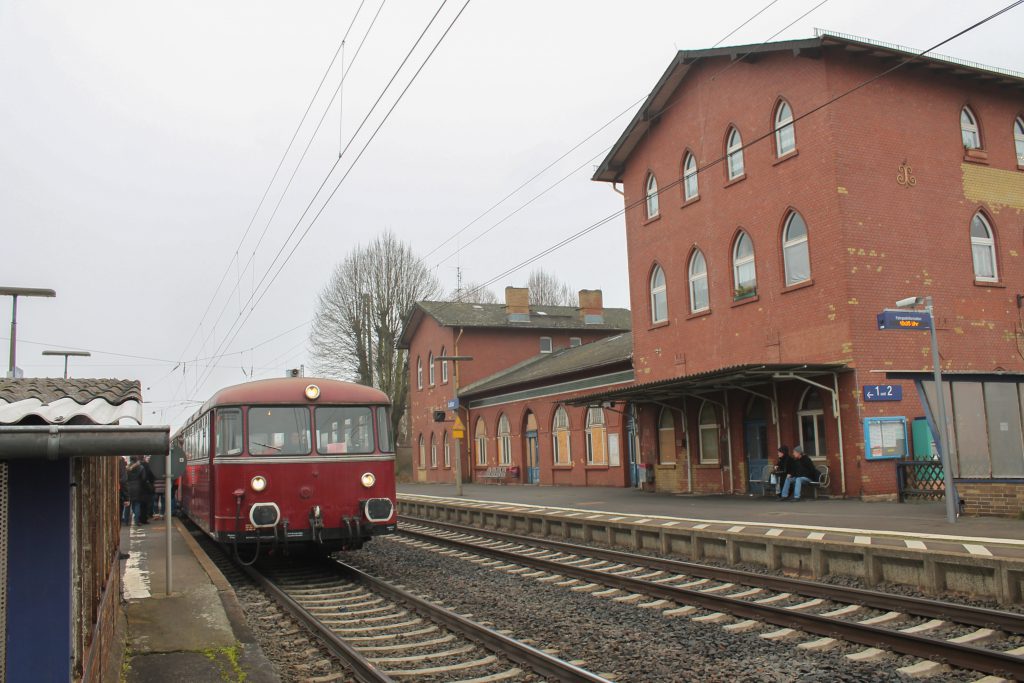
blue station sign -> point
(453, 404)
(904, 320)
(883, 392)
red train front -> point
(288, 464)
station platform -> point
(195, 633)
(918, 526)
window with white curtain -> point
(659, 297)
(795, 252)
(698, 283)
(983, 249)
(785, 134)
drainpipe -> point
(68, 441)
(617, 190)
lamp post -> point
(940, 401)
(14, 293)
(458, 442)
(66, 354)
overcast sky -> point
(138, 138)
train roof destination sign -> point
(896, 319)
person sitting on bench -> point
(801, 471)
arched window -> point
(597, 437)
(444, 367)
(734, 152)
(709, 433)
(504, 441)
(433, 451)
(743, 272)
(423, 454)
(794, 249)
(698, 282)
(666, 437)
(480, 434)
(689, 177)
(560, 437)
(983, 249)
(1018, 139)
(419, 372)
(785, 134)
(812, 424)
(652, 196)
(430, 368)
(659, 298)
(969, 129)
(447, 451)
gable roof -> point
(70, 401)
(495, 316)
(613, 165)
(604, 352)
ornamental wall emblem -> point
(905, 177)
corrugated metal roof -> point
(607, 351)
(70, 401)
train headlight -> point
(312, 392)
(258, 483)
(368, 479)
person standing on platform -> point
(134, 480)
(158, 497)
(148, 482)
(801, 471)
(125, 511)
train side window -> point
(229, 432)
(384, 428)
(344, 429)
(278, 430)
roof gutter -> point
(51, 442)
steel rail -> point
(1008, 622)
(954, 654)
(541, 663)
(362, 670)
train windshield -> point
(384, 428)
(278, 431)
(344, 429)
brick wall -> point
(992, 499)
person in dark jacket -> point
(148, 486)
(801, 471)
(135, 481)
(781, 468)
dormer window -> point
(545, 345)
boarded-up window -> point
(560, 437)
(666, 437)
(597, 441)
(1004, 431)
(971, 436)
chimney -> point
(517, 304)
(591, 306)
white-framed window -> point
(546, 345)
(430, 368)
(734, 154)
(710, 433)
(812, 423)
(743, 272)
(423, 454)
(1018, 139)
(433, 452)
(690, 189)
(983, 249)
(597, 437)
(795, 252)
(444, 367)
(969, 129)
(480, 435)
(447, 451)
(504, 441)
(419, 372)
(659, 297)
(574, 342)
(699, 300)
(560, 437)
(666, 437)
(651, 193)
(785, 134)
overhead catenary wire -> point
(232, 335)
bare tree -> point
(472, 293)
(359, 317)
(548, 290)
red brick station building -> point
(774, 209)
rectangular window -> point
(505, 446)
(545, 345)
(384, 439)
(278, 430)
(574, 342)
(481, 450)
(344, 429)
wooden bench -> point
(500, 472)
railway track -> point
(940, 634)
(382, 632)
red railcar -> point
(291, 463)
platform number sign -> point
(883, 392)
